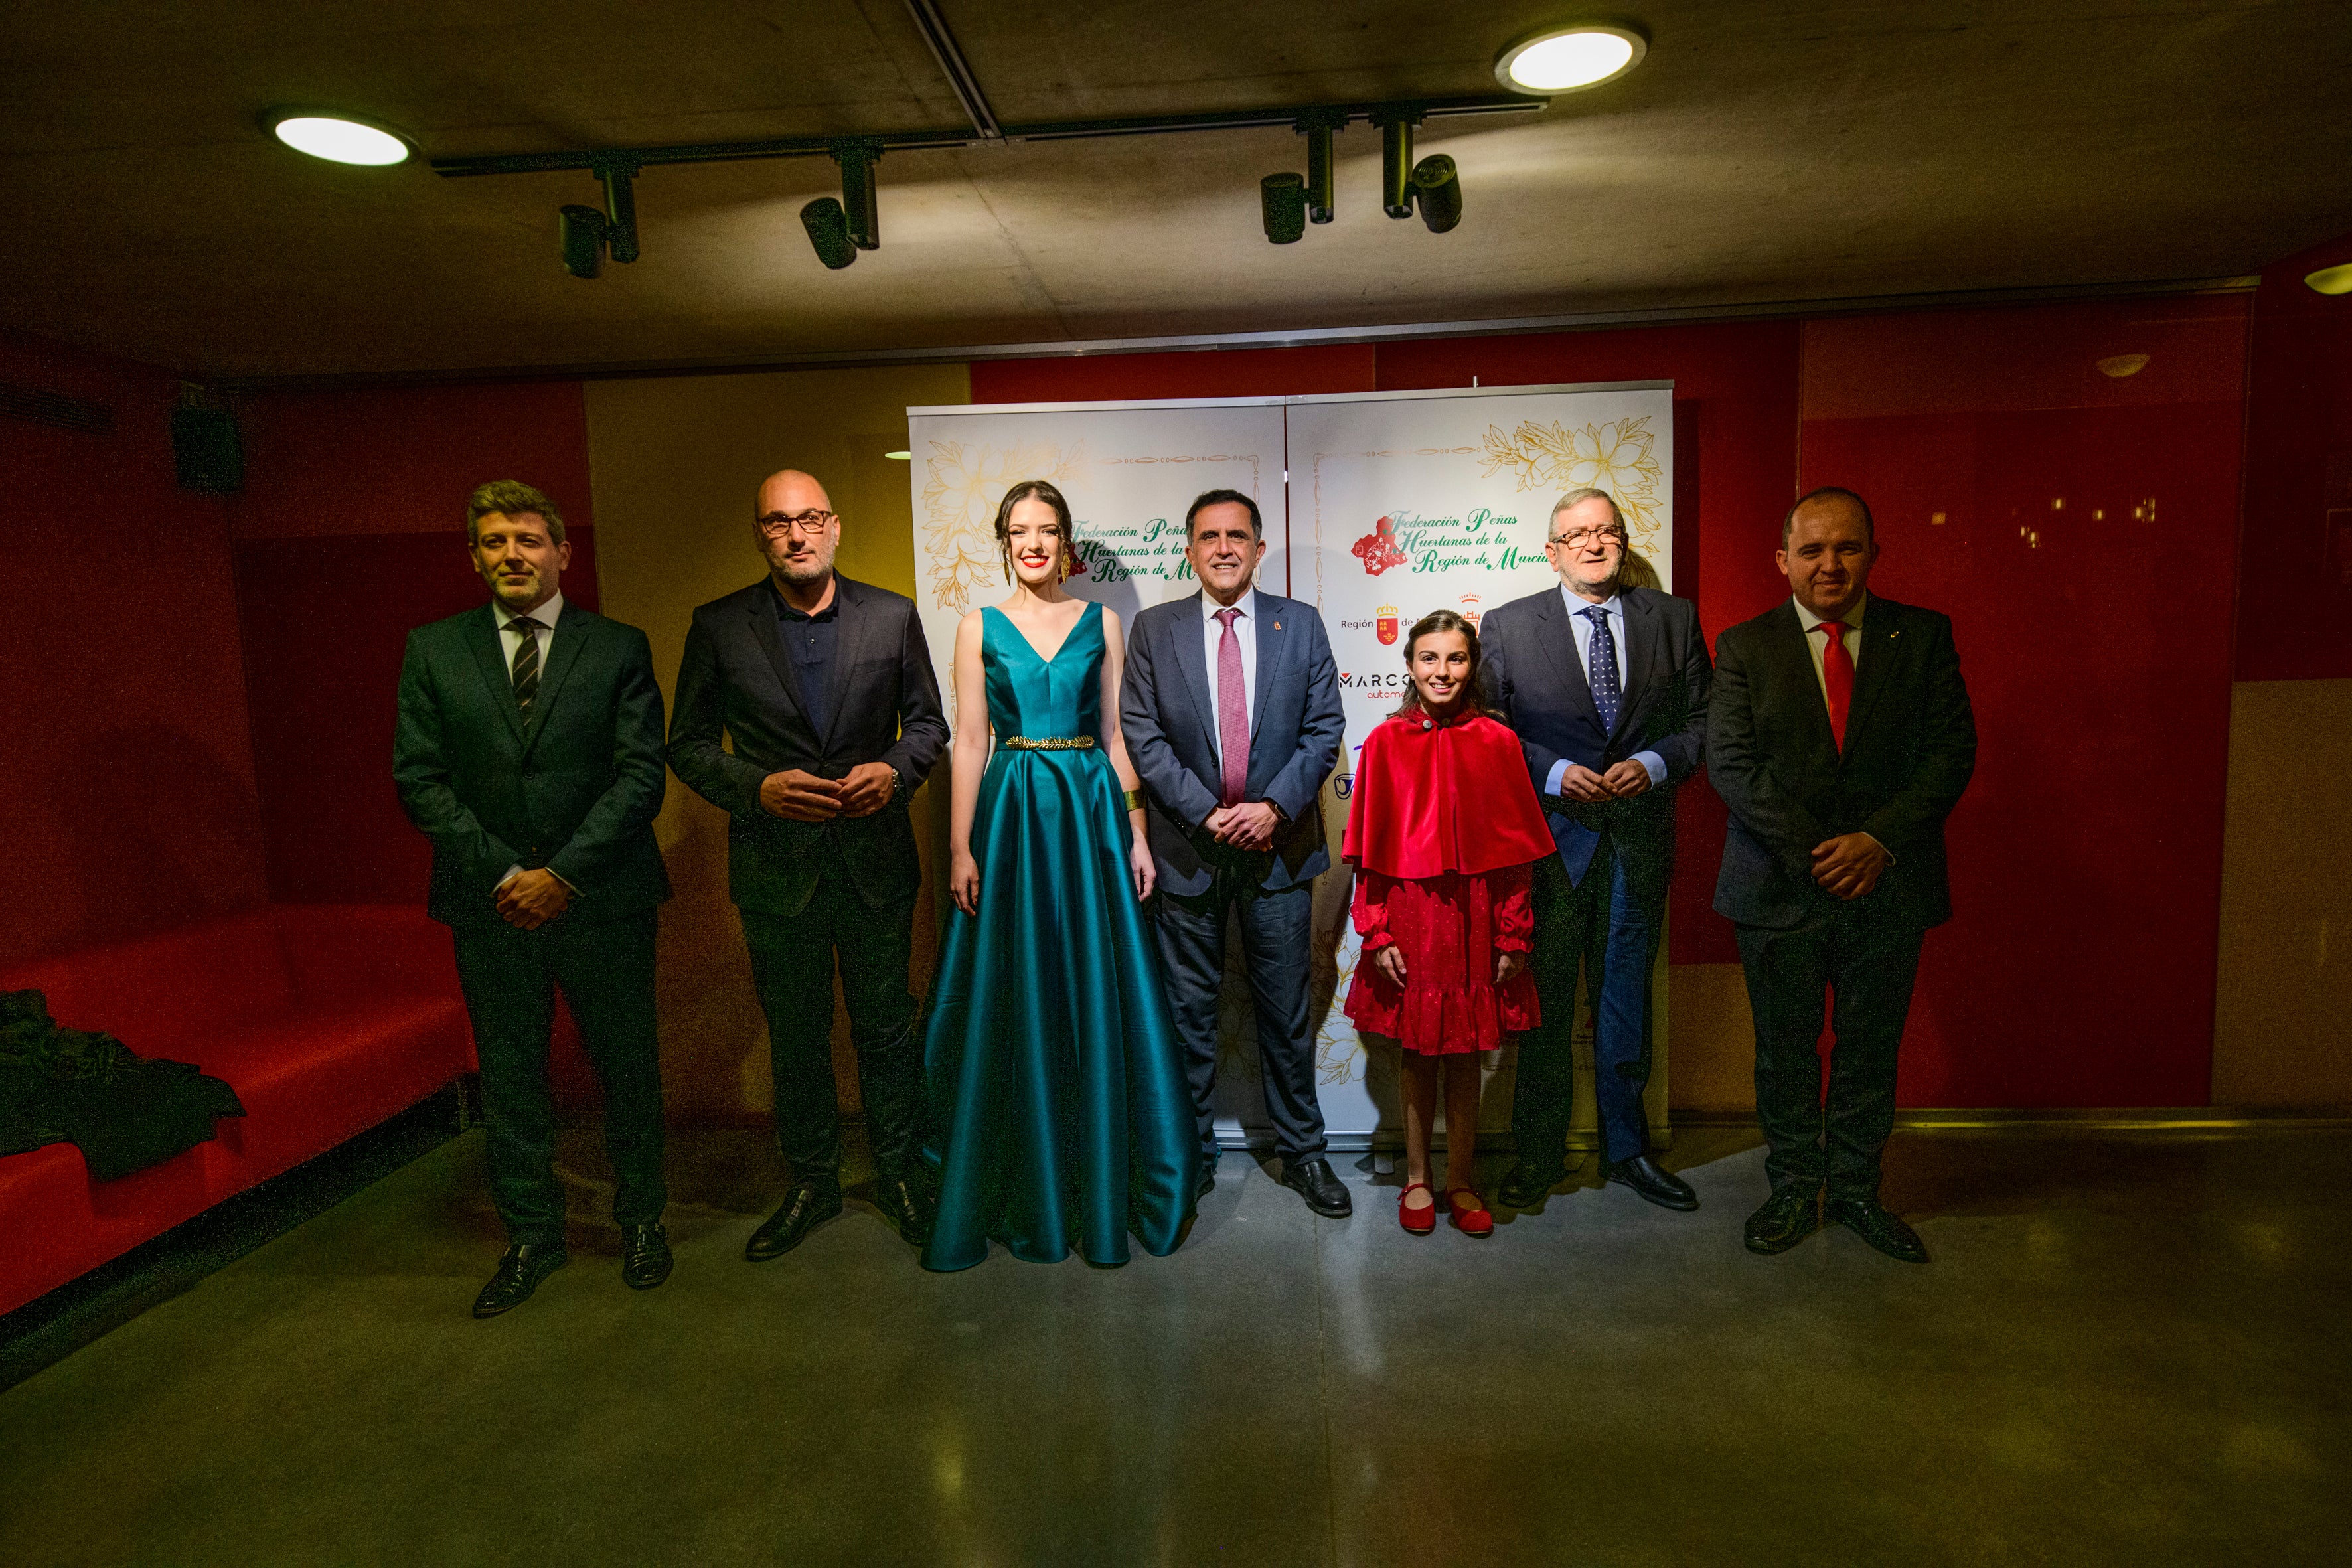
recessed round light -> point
(1563, 59)
(2122, 366)
(2332, 280)
(338, 138)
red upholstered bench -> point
(326, 1020)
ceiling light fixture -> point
(338, 138)
(585, 235)
(1565, 60)
(2331, 279)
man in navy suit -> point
(806, 709)
(1840, 737)
(1607, 685)
(1231, 710)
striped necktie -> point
(525, 662)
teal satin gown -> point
(1057, 1080)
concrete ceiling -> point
(1811, 152)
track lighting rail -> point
(601, 158)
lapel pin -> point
(1277, 626)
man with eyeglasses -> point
(1606, 683)
(824, 686)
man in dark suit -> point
(1231, 710)
(1606, 684)
(529, 750)
(825, 686)
(1839, 736)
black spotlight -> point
(828, 232)
(1396, 159)
(1437, 190)
(1282, 202)
(581, 231)
(587, 236)
(1319, 130)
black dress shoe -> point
(1869, 1219)
(806, 1208)
(1788, 1216)
(1660, 1186)
(644, 1256)
(519, 1271)
(1525, 1185)
(1313, 1179)
(906, 1202)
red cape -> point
(1454, 797)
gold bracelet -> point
(1134, 800)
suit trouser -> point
(1870, 964)
(605, 969)
(1277, 934)
(792, 961)
(1598, 925)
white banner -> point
(1406, 503)
(1127, 469)
(1378, 509)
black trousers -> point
(1600, 926)
(605, 970)
(1870, 964)
(1277, 935)
(792, 959)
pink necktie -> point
(1232, 710)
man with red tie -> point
(1839, 735)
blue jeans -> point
(1601, 926)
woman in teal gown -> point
(1055, 1077)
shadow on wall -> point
(173, 837)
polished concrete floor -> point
(2130, 1349)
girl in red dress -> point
(1443, 827)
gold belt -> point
(1048, 742)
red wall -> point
(2080, 967)
(125, 765)
(2295, 608)
(350, 531)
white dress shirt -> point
(1818, 643)
(1614, 608)
(510, 640)
(510, 643)
(1212, 635)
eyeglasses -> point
(809, 523)
(1585, 538)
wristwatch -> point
(898, 783)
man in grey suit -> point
(1231, 710)
(824, 686)
(1607, 685)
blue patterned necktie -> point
(1600, 667)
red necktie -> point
(1233, 711)
(1837, 674)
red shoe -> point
(1421, 1222)
(1467, 1219)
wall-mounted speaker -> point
(206, 451)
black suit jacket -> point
(575, 790)
(1535, 679)
(1167, 716)
(1911, 744)
(737, 680)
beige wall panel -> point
(1713, 1038)
(2283, 1011)
(674, 462)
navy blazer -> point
(736, 679)
(1910, 746)
(1534, 678)
(1168, 715)
(575, 789)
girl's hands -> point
(1391, 959)
(1507, 964)
(963, 881)
(1139, 862)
